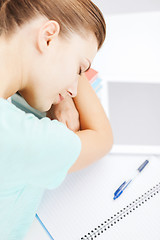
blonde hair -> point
(72, 15)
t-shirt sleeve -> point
(37, 152)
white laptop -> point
(134, 112)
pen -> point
(125, 184)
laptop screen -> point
(134, 113)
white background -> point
(110, 7)
(131, 51)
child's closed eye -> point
(80, 71)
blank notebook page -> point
(83, 204)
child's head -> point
(51, 41)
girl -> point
(45, 48)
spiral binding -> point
(106, 225)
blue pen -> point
(120, 190)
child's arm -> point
(95, 134)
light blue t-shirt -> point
(35, 154)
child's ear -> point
(47, 33)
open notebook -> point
(83, 206)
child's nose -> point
(72, 90)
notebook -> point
(83, 207)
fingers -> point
(73, 125)
(66, 113)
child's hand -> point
(66, 113)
